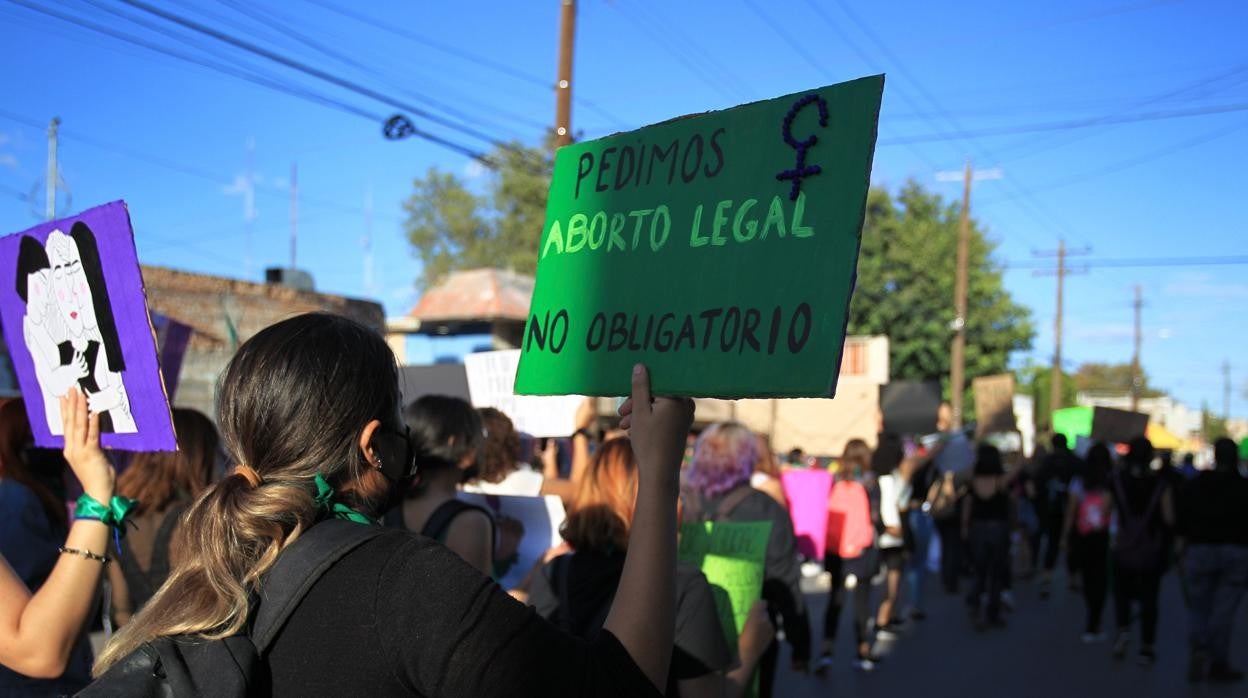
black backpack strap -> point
(446, 512)
(299, 567)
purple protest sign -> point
(172, 339)
(807, 492)
(75, 314)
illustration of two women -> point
(69, 327)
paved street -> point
(1039, 655)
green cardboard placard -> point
(720, 249)
(1073, 422)
(731, 555)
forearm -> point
(642, 616)
(37, 642)
(580, 456)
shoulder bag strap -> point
(299, 567)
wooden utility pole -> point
(1137, 380)
(957, 381)
(1055, 376)
(563, 88)
(1226, 390)
(1055, 373)
(50, 210)
(957, 359)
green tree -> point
(1111, 378)
(906, 274)
(1037, 381)
(452, 226)
(1212, 427)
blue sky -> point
(172, 138)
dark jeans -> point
(842, 569)
(916, 565)
(990, 552)
(1217, 578)
(1143, 586)
(950, 531)
(1053, 524)
(1091, 553)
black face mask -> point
(398, 456)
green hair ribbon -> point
(325, 500)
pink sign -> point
(807, 492)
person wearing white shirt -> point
(894, 484)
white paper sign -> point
(491, 383)
(541, 518)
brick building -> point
(224, 312)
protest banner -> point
(807, 492)
(75, 313)
(994, 404)
(172, 340)
(910, 407)
(1117, 426)
(540, 518)
(491, 383)
(726, 241)
(731, 556)
(1073, 422)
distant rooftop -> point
(475, 296)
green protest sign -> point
(719, 249)
(731, 556)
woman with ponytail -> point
(309, 409)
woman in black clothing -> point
(1088, 514)
(986, 525)
(1145, 518)
(309, 407)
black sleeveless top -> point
(143, 584)
(994, 508)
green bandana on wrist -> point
(114, 515)
(325, 500)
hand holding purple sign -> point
(78, 300)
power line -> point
(284, 26)
(1030, 206)
(457, 52)
(324, 76)
(1068, 125)
(252, 77)
(171, 165)
(805, 55)
(676, 50)
(1124, 262)
(1131, 162)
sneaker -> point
(864, 664)
(823, 663)
(888, 632)
(1092, 638)
(811, 569)
(1121, 643)
(1147, 657)
(1224, 673)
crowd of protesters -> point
(185, 546)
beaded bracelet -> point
(83, 553)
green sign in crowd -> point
(720, 249)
